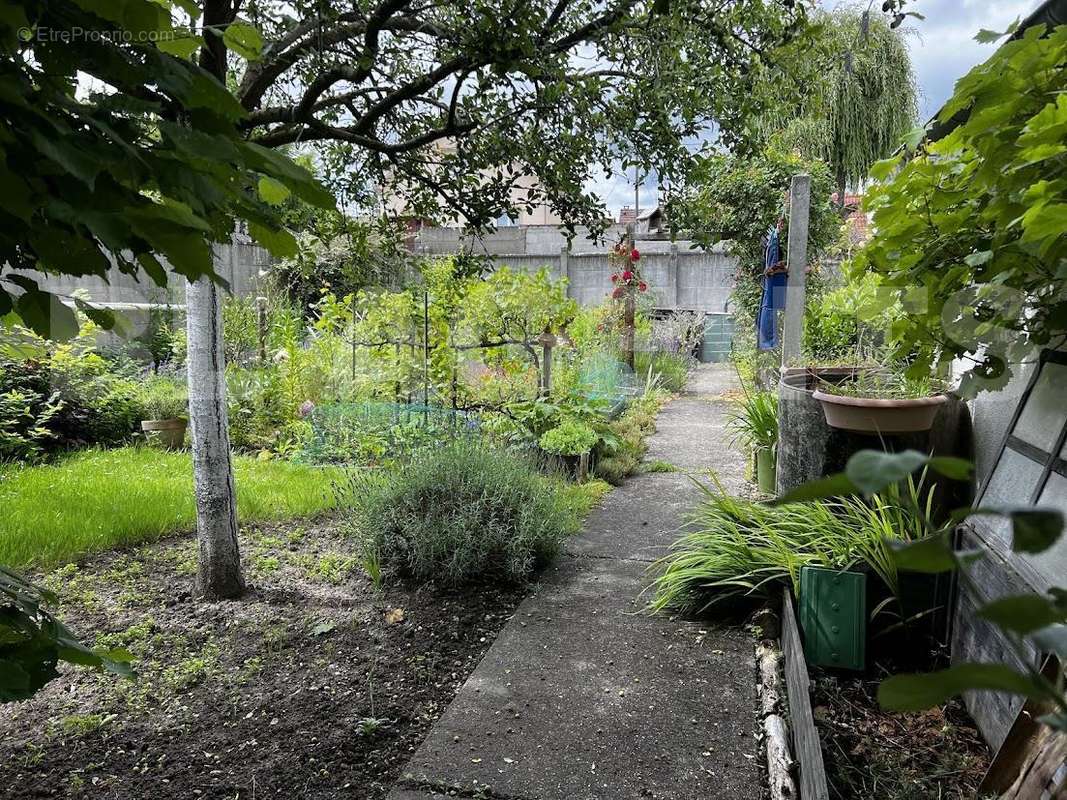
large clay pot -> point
(170, 433)
(878, 416)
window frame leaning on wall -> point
(1033, 469)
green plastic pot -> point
(766, 470)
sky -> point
(942, 51)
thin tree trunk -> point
(841, 190)
(219, 573)
(629, 312)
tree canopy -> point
(969, 230)
(861, 100)
(456, 103)
(116, 149)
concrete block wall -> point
(239, 263)
(679, 274)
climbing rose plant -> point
(970, 230)
(627, 277)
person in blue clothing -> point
(775, 277)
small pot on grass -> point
(168, 433)
(165, 405)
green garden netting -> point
(379, 432)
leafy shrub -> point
(850, 323)
(164, 398)
(69, 397)
(741, 547)
(672, 368)
(24, 424)
(754, 422)
(620, 456)
(569, 438)
(459, 514)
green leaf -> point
(279, 166)
(979, 258)
(183, 46)
(913, 137)
(280, 243)
(873, 470)
(244, 39)
(957, 469)
(1034, 530)
(1044, 221)
(833, 486)
(1052, 639)
(930, 555)
(1023, 613)
(919, 692)
(986, 36)
(272, 191)
(47, 316)
(103, 317)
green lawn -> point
(101, 499)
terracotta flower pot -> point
(170, 433)
(873, 415)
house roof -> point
(1051, 13)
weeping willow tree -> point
(862, 102)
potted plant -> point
(165, 405)
(880, 401)
(755, 423)
(571, 441)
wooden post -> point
(353, 296)
(261, 327)
(565, 267)
(797, 262)
(547, 341)
(629, 309)
(425, 348)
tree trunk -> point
(628, 310)
(219, 573)
(841, 190)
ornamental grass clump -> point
(741, 548)
(462, 513)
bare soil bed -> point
(871, 753)
(313, 685)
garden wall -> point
(680, 275)
(240, 263)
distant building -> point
(857, 220)
(392, 203)
(627, 216)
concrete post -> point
(672, 277)
(797, 261)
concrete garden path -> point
(582, 695)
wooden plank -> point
(806, 746)
(975, 639)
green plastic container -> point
(766, 470)
(833, 617)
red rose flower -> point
(627, 276)
(642, 286)
(619, 291)
(615, 278)
(634, 255)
